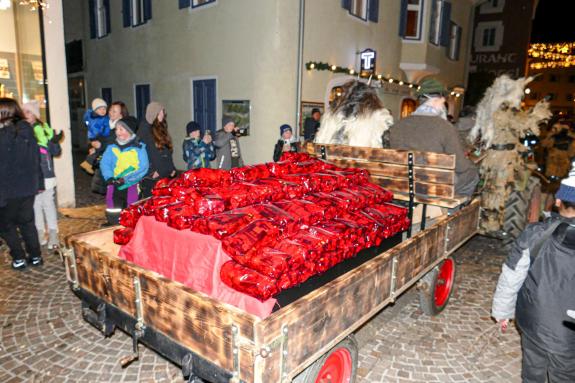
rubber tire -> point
(309, 375)
(517, 212)
(426, 291)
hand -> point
(155, 174)
(504, 323)
(207, 139)
(173, 174)
(286, 148)
(91, 151)
(96, 144)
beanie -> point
(431, 87)
(567, 189)
(227, 120)
(192, 127)
(284, 128)
(129, 123)
(98, 103)
(32, 107)
(152, 110)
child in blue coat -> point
(98, 124)
(123, 165)
(198, 148)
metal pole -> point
(44, 73)
(299, 65)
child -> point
(286, 143)
(98, 124)
(537, 286)
(198, 151)
(123, 165)
(45, 213)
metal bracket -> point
(323, 152)
(410, 177)
(236, 351)
(139, 327)
(394, 263)
(284, 350)
(69, 258)
(447, 228)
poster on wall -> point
(305, 112)
(239, 111)
(4, 69)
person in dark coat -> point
(537, 287)
(286, 143)
(311, 125)
(20, 180)
(153, 132)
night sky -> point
(554, 22)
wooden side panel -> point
(394, 156)
(443, 202)
(463, 225)
(401, 185)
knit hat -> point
(192, 127)
(431, 87)
(33, 107)
(567, 189)
(98, 103)
(284, 128)
(227, 120)
(129, 123)
(152, 110)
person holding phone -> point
(286, 143)
(227, 144)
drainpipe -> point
(299, 65)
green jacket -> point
(43, 133)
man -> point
(227, 144)
(537, 285)
(428, 130)
(311, 125)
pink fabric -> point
(190, 258)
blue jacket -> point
(197, 153)
(98, 126)
(129, 162)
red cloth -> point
(190, 258)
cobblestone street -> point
(44, 339)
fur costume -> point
(357, 118)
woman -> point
(154, 133)
(20, 181)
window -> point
(136, 12)
(572, 78)
(553, 78)
(142, 97)
(106, 95)
(569, 96)
(99, 18)
(492, 6)
(488, 36)
(410, 19)
(439, 32)
(454, 42)
(363, 9)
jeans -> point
(17, 225)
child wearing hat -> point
(286, 143)
(198, 148)
(98, 124)
(45, 212)
(123, 165)
(537, 287)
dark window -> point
(205, 103)
(142, 100)
(489, 37)
(572, 78)
(106, 95)
(569, 96)
(454, 42)
(199, 3)
(363, 9)
(99, 18)
(74, 56)
(410, 19)
(553, 78)
(439, 22)
(136, 12)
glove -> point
(57, 137)
(119, 181)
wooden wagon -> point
(307, 340)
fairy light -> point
(550, 56)
(35, 4)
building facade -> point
(206, 58)
(557, 85)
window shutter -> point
(346, 4)
(184, 4)
(126, 13)
(147, 10)
(445, 23)
(108, 21)
(92, 10)
(403, 18)
(373, 10)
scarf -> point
(426, 109)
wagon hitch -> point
(139, 327)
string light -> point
(35, 4)
(549, 56)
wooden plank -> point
(423, 174)
(394, 156)
(401, 185)
(462, 225)
(441, 202)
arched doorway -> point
(408, 106)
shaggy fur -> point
(357, 118)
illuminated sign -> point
(367, 58)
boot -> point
(87, 167)
(53, 240)
(42, 237)
(113, 219)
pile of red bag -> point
(281, 222)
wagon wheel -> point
(339, 365)
(436, 286)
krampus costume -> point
(357, 118)
(500, 126)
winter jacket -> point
(44, 133)
(198, 154)
(20, 173)
(434, 134)
(278, 149)
(310, 127)
(224, 150)
(539, 288)
(129, 161)
(160, 160)
(98, 126)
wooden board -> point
(442, 202)
(401, 185)
(393, 156)
(462, 225)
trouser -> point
(466, 183)
(17, 224)
(45, 212)
(117, 199)
(146, 186)
(538, 365)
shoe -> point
(53, 240)
(42, 237)
(36, 261)
(87, 167)
(18, 264)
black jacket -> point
(543, 284)
(310, 128)
(161, 160)
(20, 172)
(278, 149)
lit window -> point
(410, 22)
(359, 8)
